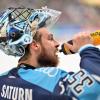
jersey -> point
(50, 83)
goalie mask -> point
(19, 25)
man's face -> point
(49, 47)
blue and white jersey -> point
(25, 83)
(83, 86)
(50, 83)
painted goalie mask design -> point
(18, 27)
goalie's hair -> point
(37, 38)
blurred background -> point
(77, 15)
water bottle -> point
(94, 35)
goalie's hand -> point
(79, 40)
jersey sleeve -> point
(90, 60)
(82, 86)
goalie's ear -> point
(35, 46)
